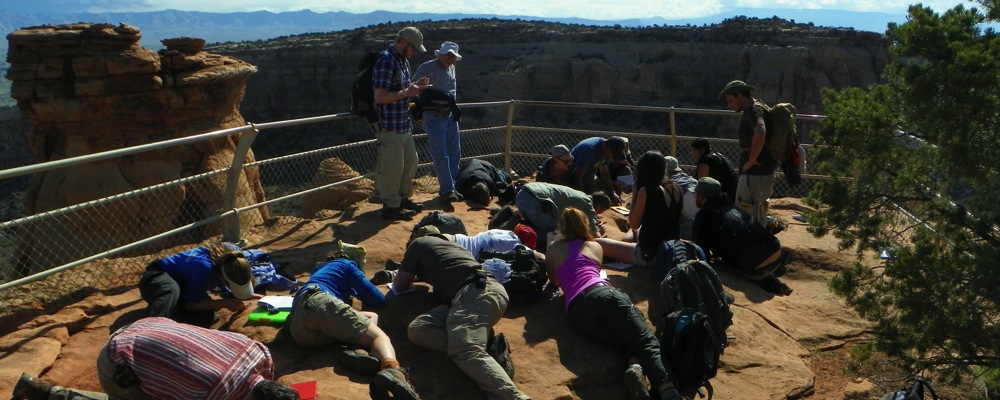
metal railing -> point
(104, 243)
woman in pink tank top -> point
(600, 311)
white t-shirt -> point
(493, 239)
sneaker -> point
(31, 388)
(391, 383)
(359, 361)
(453, 197)
(499, 348)
(399, 213)
(408, 204)
(635, 382)
(382, 277)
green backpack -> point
(782, 135)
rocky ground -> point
(784, 348)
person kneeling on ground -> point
(573, 260)
(156, 358)
(472, 301)
(731, 233)
(322, 315)
(478, 181)
(177, 287)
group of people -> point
(172, 354)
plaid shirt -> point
(183, 362)
(392, 72)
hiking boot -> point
(391, 383)
(382, 277)
(398, 213)
(774, 285)
(408, 204)
(453, 197)
(359, 361)
(671, 393)
(391, 265)
(635, 382)
(31, 388)
(499, 348)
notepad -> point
(618, 265)
(280, 303)
(412, 289)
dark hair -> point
(480, 193)
(600, 199)
(574, 224)
(702, 144)
(271, 390)
(650, 169)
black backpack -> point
(446, 223)
(672, 253)
(914, 393)
(362, 93)
(693, 331)
(527, 276)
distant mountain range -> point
(252, 26)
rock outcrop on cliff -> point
(88, 88)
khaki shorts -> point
(319, 319)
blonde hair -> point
(225, 256)
(573, 224)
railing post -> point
(508, 145)
(231, 224)
(673, 132)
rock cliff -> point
(307, 75)
(88, 88)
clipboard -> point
(264, 315)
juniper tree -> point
(915, 165)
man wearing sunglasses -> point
(558, 168)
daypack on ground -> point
(782, 135)
(446, 223)
(693, 332)
(362, 93)
(672, 253)
(914, 393)
(527, 277)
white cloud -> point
(593, 9)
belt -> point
(596, 286)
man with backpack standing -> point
(439, 121)
(757, 165)
(397, 155)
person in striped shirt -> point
(157, 358)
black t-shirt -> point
(474, 170)
(748, 120)
(441, 263)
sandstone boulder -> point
(88, 88)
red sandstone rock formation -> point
(89, 88)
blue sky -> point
(591, 9)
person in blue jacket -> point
(178, 286)
(322, 315)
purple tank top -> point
(577, 272)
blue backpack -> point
(672, 253)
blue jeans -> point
(531, 209)
(445, 148)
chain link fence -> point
(56, 256)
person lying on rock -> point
(157, 358)
(573, 260)
(322, 315)
(472, 301)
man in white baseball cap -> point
(441, 116)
